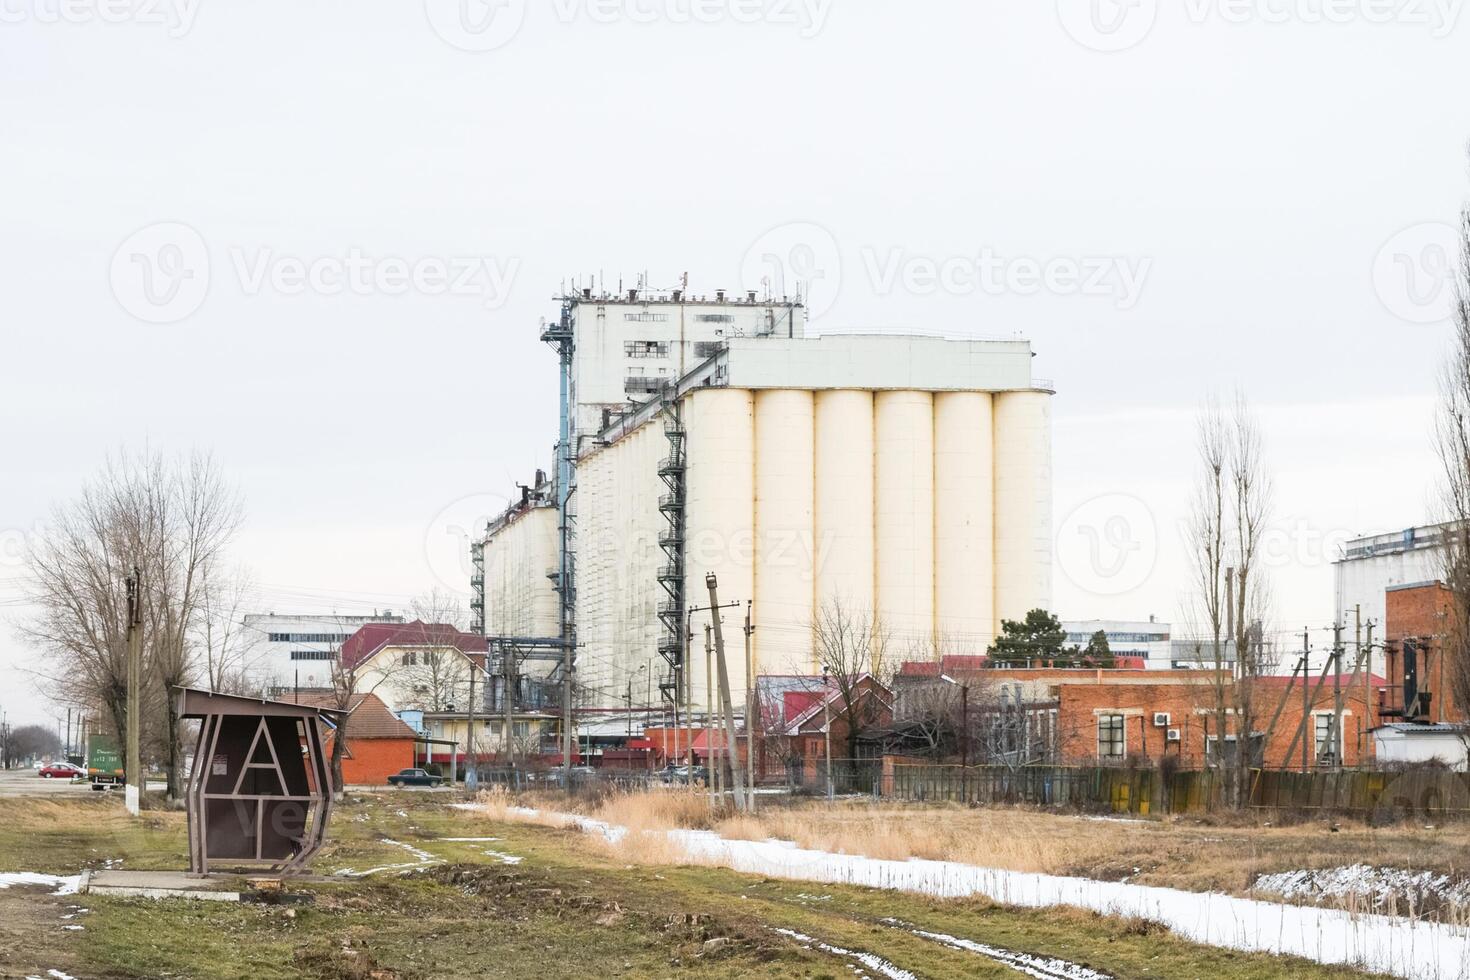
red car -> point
(60, 770)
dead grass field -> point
(1225, 854)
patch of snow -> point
(1040, 967)
(505, 858)
(73, 928)
(1402, 947)
(469, 840)
(55, 975)
(876, 963)
(424, 860)
(65, 884)
(1380, 886)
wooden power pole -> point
(133, 790)
(736, 779)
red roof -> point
(368, 716)
(372, 637)
(948, 664)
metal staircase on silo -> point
(671, 540)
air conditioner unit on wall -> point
(1161, 719)
(1172, 735)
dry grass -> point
(1225, 854)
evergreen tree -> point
(1037, 639)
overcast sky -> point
(318, 241)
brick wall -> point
(1419, 611)
(370, 761)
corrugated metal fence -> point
(1149, 791)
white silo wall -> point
(720, 519)
(964, 551)
(903, 436)
(519, 599)
(843, 495)
(618, 557)
(784, 475)
(1023, 517)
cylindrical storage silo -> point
(784, 477)
(843, 510)
(719, 517)
(1023, 544)
(964, 552)
(903, 437)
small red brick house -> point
(378, 743)
(1418, 616)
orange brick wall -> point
(1419, 612)
(1191, 710)
(370, 761)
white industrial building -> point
(904, 478)
(1372, 565)
(1146, 641)
(285, 651)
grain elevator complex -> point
(901, 479)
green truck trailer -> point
(104, 761)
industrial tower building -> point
(905, 479)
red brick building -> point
(1417, 616)
(378, 743)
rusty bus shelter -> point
(260, 792)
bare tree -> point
(352, 678)
(851, 644)
(219, 635)
(1452, 441)
(1228, 518)
(172, 521)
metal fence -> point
(1382, 795)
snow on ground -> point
(65, 884)
(875, 963)
(425, 859)
(55, 975)
(1040, 967)
(1401, 947)
(1380, 887)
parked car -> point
(61, 770)
(684, 774)
(414, 777)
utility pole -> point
(133, 792)
(729, 711)
(1306, 697)
(1367, 694)
(471, 771)
(566, 713)
(827, 730)
(749, 713)
(712, 771)
(1335, 737)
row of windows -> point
(645, 348)
(306, 637)
(313, 655)
(1112, 735)
(714, 318)
(646, 317)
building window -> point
(1112, 737)
(522, 729)
(646, 317)
(313, 655)
(1322, 733)
(645, 348)
(409, 658)
(640, 384)
(714, 318)
(708, 348)
(305, 637)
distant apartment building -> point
(1143, 645)
(297, 650)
